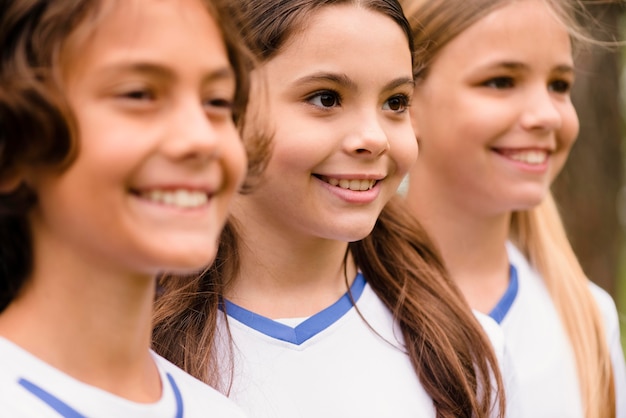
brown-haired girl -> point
(119, 157)
(495, 123)
(332, 301)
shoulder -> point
(199, 396)
(493, 331)
(608, 310)
(609, 313)
(606, 304)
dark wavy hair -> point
(37, 128)
(447, 347)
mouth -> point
(530, 157)
(180, 198)
(357, 185)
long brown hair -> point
(538, 232)
(447, 347)
(36, 124)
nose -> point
(541, 111)
(369, 138)
(192, 135)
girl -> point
(332, 301)
(493, 116)
(119, 159)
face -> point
(159, 158)
(493, 115)
(337, 96)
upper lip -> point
(361, 176)
(549, 150)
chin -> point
(353, 234)
(190, 261)
(530, 201)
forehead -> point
(338, 30)
(518, 30)
(132, 24)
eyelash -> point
(317, 99)
(319, 96)
(404, 101)
(500, 83)
(219, 106)
(560, 86)
(138, 94)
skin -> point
(337, 96)
(153, 119)
(495, 124)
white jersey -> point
(333, 364)
(539, 349)
(30, 388)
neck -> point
(89, 322)
(472, 245)
(284, 276)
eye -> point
(398, 103)
(218, 107)
(560, 86)
(325, 99)
(500, 83)
(220, 103)
(138, 94)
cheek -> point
(235, 158)
(566, 137)
(404, 149)
(569, 131)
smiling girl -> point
(495, 124)
(332, 301)
(120, 157)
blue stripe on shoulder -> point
(504, 304)
(67, 411)
(307, 329)
(55, 403)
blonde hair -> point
(541, 237)
(539, 233)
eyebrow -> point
(160, 71)
(512, 65)
(345, 81)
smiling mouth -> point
(357, 185)
(530, 157)
(181, 198)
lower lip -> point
(352, 196)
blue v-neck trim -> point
(504, 304)
(307, 329)
(66, 411)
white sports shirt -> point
(539, 350)
(30, 388)
(331, 365)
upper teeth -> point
(180, 197)
(530, 157)
(357, 185)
